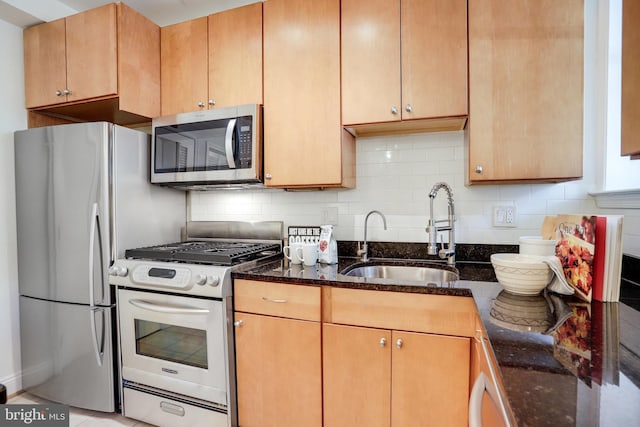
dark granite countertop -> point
(563, 362)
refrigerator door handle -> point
(98, 341)
(228, 143)
(92, 242)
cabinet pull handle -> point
(274, 300)
(58, 92)
(212, 102)
(201, 104)
(394, 110)
(399, 343)
(408, 108)
(238, 323)
(479, 169)
(66, 92)
(268, 176)
(383, 342)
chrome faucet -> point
(432, 230)
(363, 252)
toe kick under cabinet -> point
(351, 357)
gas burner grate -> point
(205, 252)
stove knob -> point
(116, 270)
(201, 279)
(213, 280)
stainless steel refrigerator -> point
(83, 197)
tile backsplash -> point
(394, 176)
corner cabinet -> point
(404, 65)
(108, 55)
(525, 91)
(278, 354)
(213, 61)
(304, 143)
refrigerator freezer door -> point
(62, 183)
(67, 353)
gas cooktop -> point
(205, 252)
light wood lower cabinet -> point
(311, 356)
(278, 356)
(278, 372)
(377, 377)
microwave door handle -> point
(228, 143)
(145, 305)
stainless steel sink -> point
(403, 274)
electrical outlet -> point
(504, 216)
(330, 215)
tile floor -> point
(83, 417)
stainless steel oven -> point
(175, 305)
(174, 343)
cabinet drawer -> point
(439, 314)
(277, 299)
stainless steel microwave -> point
(208, 149)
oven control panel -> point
(172, 277)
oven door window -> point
(187, 346)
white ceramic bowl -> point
(536, 245)
(521, 274)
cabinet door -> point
(630, 78)
(183, 66)
(92, 53)
(302, 131)
(525, 90)
(430, 380)
(434, 58)
(279, 378)
(356, 376)
(45, 66)
(235, 56)
(370, 61)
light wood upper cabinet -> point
(183, 60)
(394, 378)
(44, 49)
(213, 61)
(92, 53)
(525, 90)
(72, 59)
(108, 55)
(630, 79)
(404, 60)
(235, 56)
(304, 143)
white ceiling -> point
(25, 13)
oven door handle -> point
(145, 305)
(228, 143)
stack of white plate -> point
(521, 274)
